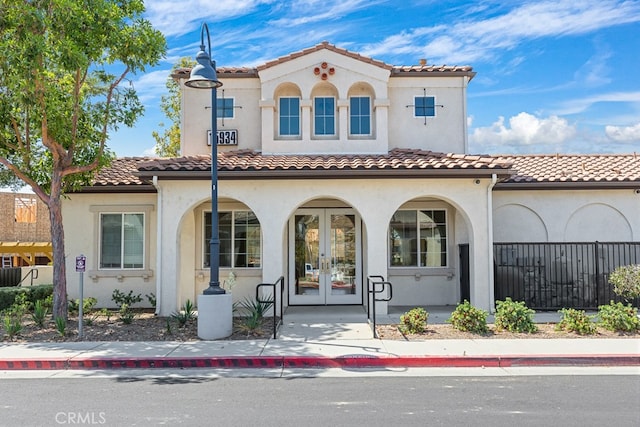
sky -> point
(552, 76)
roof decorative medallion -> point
(324, 71)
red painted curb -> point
(349, 361)
(30, 364)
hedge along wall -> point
(34, 293)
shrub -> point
(121, 298)
(414, 321)
(152, 299)
(255, 308)
(185, 314)
(514, 316)
(39, 314)
(61, 326)
(87, 305)
(124, 302)
(626, 281)
(469, 318)
(576, 321)
(126, 314)
(12, 324)
(33, 294)
(619, 317)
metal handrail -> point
(372, 281)
(274, 301)
(34, 275)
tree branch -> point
(27, 180)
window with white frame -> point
(122, 240)
(360, 115)
(418, 238)
(240, 239)
(424, 106)
(324, 116)
(289, 110)
(224, 108)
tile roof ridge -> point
(320, 46)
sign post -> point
(80, 267)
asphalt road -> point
(364, 401)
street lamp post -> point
(204, 76)
(215, 312)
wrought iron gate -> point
(551, 276)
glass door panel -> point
(342, 240)
(325, 259)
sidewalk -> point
(326, 337)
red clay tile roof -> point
(327, 46)
(121, 175)
(514, 171)
(405, 70)
(556, 170)
(246, 163)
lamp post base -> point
(215, 316)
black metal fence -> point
(551, 276)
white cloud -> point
(579, 105)
(624, 133)
(152, 85)
(474, 39)
(179, 17)
(524, 129)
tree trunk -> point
(60, 307)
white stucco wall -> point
(566, 216)
(446, 132)
(81, 225)
(182, 275)
(392, 116)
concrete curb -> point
(351, 361)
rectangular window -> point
(418, 238)
(360, 115)
(324, 111)
(240, 241)
(289, 116)
(122, 240)
(225, 108)
(425, 106)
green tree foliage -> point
(168, 143)
(63, 88)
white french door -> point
(325, 257)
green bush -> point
(124, 302)
(619, 317)
(514, 316)
(576, 321)
(414, 321)
(185, 314)
(626, 281)
(33, 294)
(469, 318)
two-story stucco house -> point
(332, 168)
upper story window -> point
(424, 106)
(225, 108)
(418, 238)
(122, 240)
(324, 112)
(289, 109)
(360, 115)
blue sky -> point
(553, 76)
